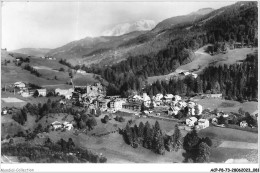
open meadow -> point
(227, 105)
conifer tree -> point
(129, 134)
(203, 153)
(177, 138)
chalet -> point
(4, 112)
(214, 121)
(174, 103)
(19, 84)
(18, 59)
(203, 123)
(67, 93)
(167, 98)
(111, 110)
(238, 45)
(136, 98)
(76, 96)
(132, 106)
(194, 75)
(56, 125)
(81, 71)
(191, 111)
(62, 102)
(191, 104)
(146, 112)
(198, 109)
(185, 73)
(176, 98)
(255, 113)
(26, 94)
(181, 104)
(191, 121)
(113, 97)
(102, 104)
(42, 92)
(116, 104)
(212, 95)
(146, 99)
(158, 97)
(173, 110)
(67, 125)
(31, 91)
(243, 124)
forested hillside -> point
(237, 81)
(222, 28)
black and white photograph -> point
(129, 83)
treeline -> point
(32, 70)
(151, 137)
(177, 86)
(64, 62)
(236, 82)
(60, 152)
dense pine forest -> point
(237, 81)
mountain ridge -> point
(124, 28)
(38, 52)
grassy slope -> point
(12, 73)
(26, 100)
(234, 105)
(229, 134)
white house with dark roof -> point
(203, 123)
(42, 92)
(19, 84)
(191, 121)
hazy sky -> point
(53, 24)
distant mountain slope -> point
(38, 52)
(125, 28)
(109, 50)
(173, 21)
(90, 46)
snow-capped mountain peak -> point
(124, 28)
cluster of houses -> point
(187, 73)
(25, 91)
(48, 58)
(197, 123)
(56, 125)
(81, 71)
